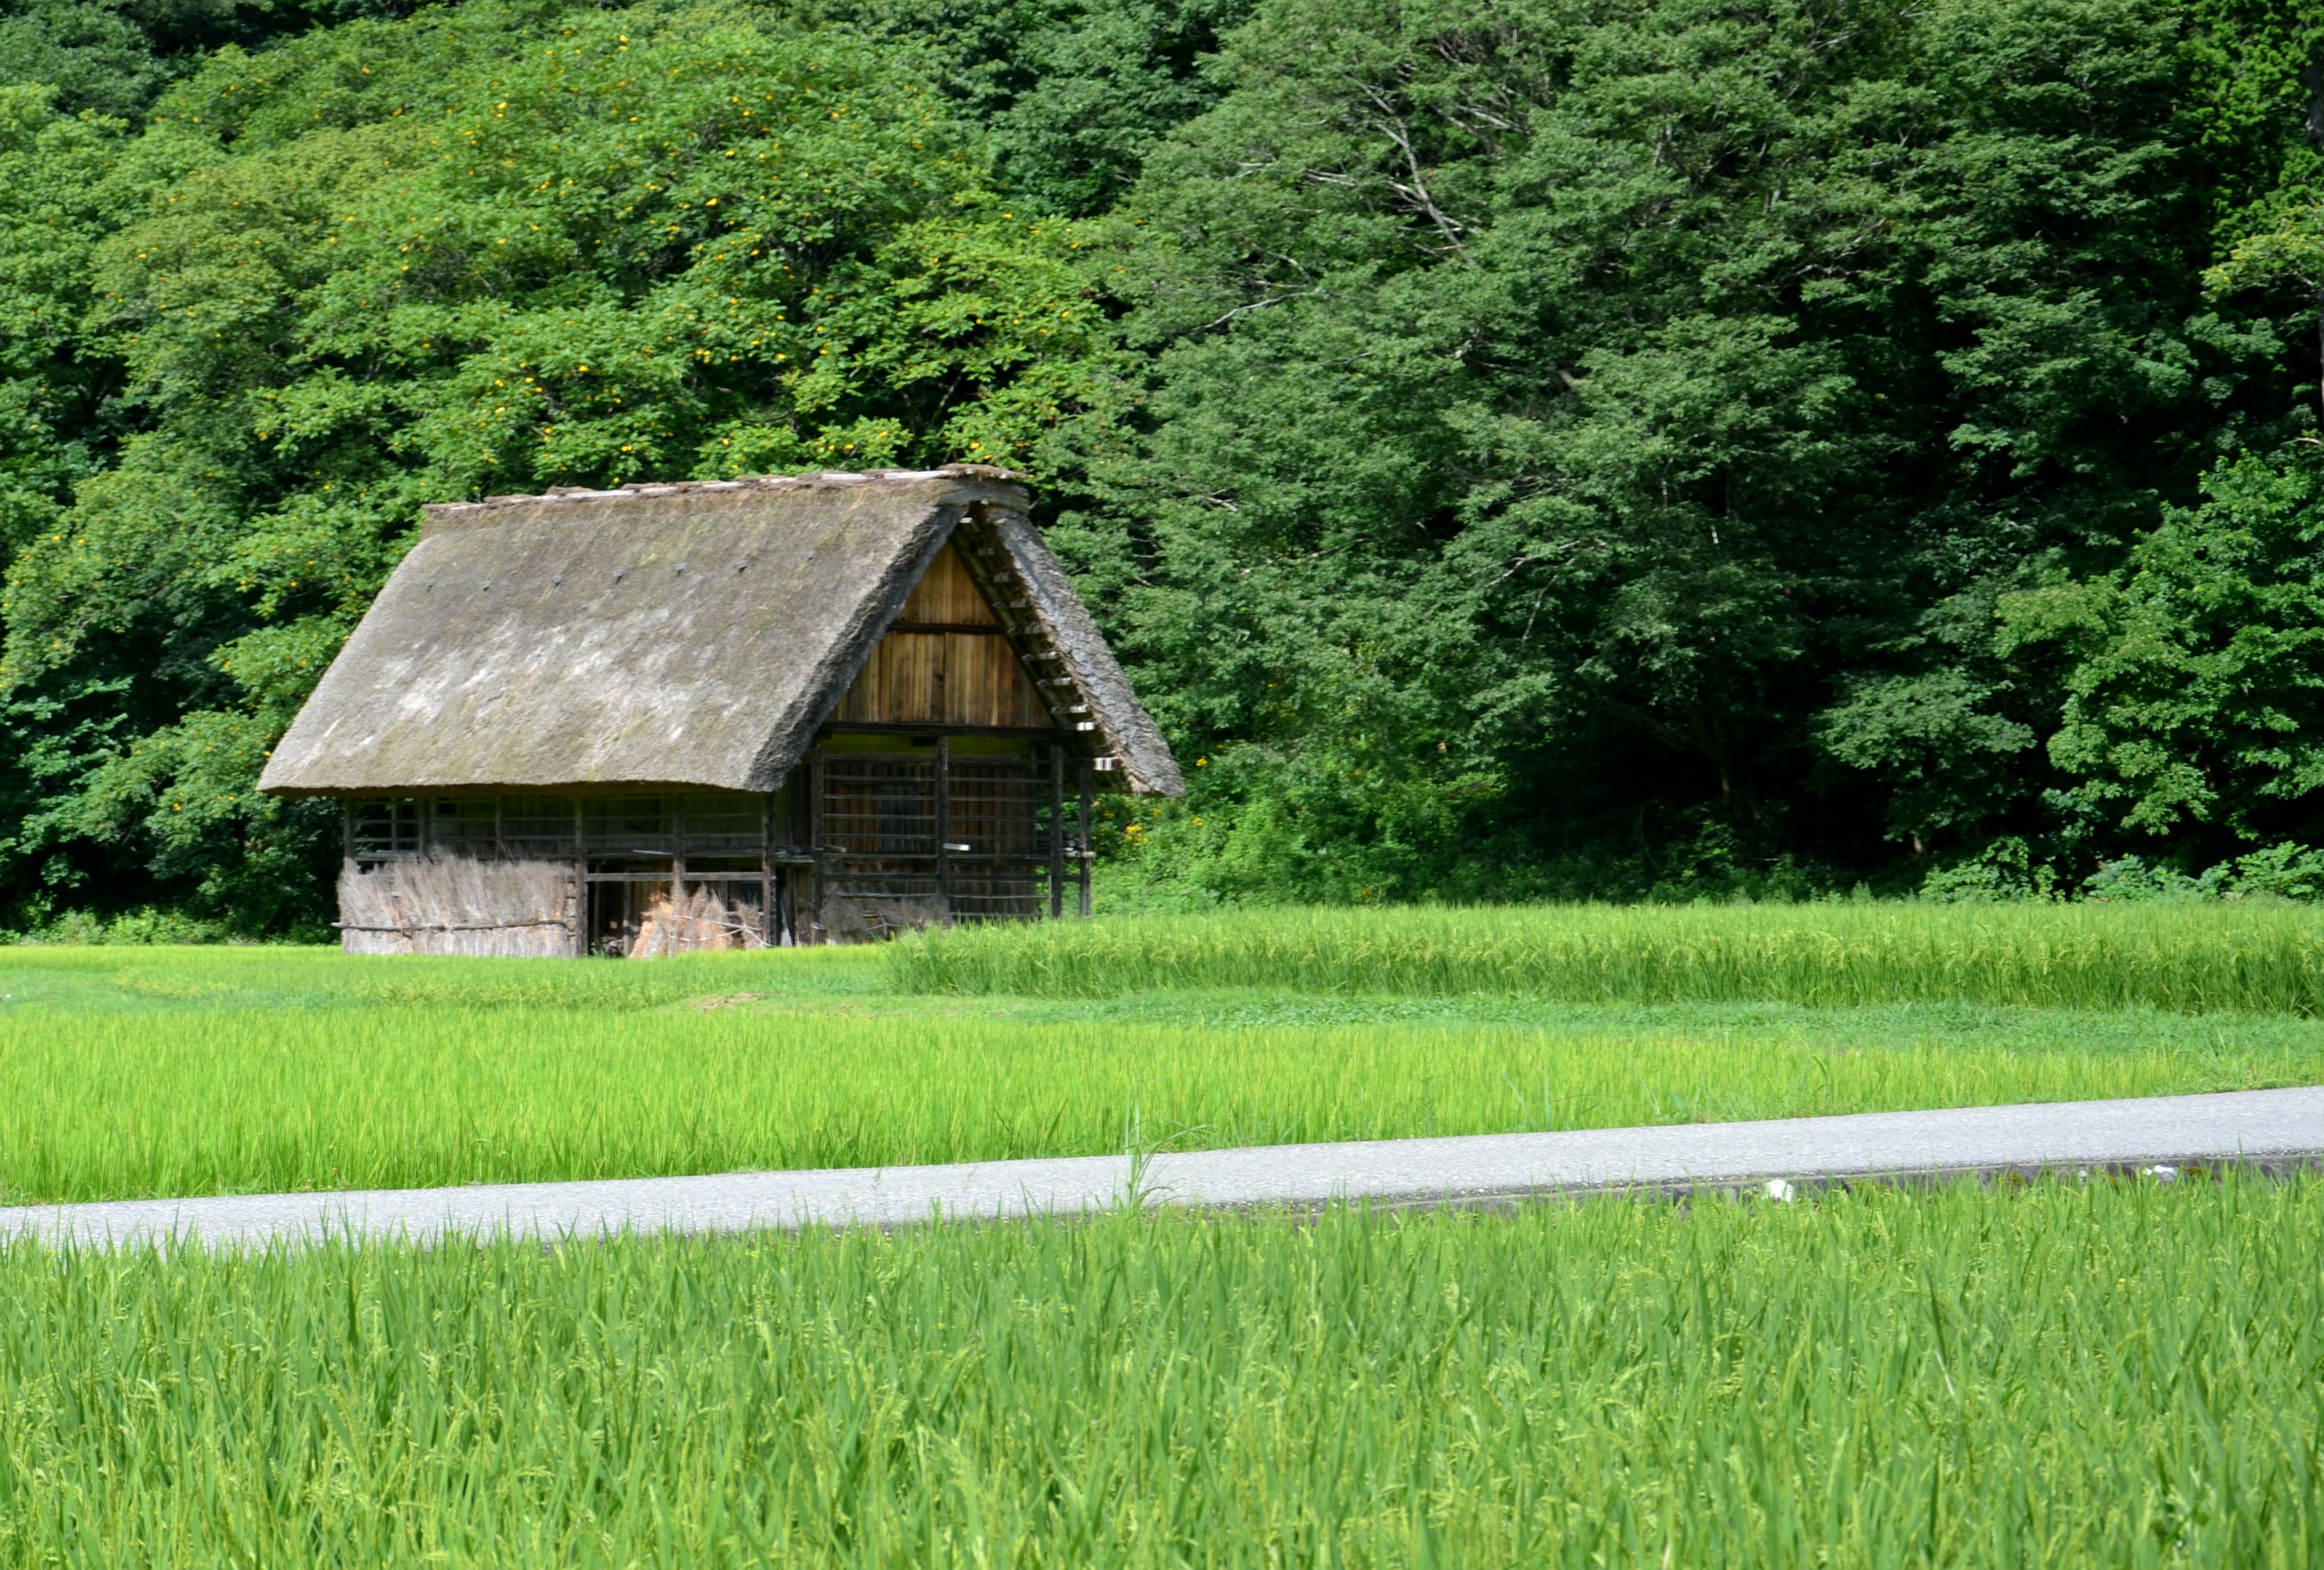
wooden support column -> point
(770, 929)
(676, 852)
(580, 881)
(814, 847)
(943, 825)
(348, 827)
(790, 879)
(1088, 854)
(1056, 833)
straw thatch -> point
(668, 635)
(447, 903)
(701, 920)
(1129, 731)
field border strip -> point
(2271, 1130)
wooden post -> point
(677, 853)
(500, 834)
(1088, 854)
(580, 881)
(769, 929)
(1057, 832)
(346, 851)
(943, 825)
(814, 843)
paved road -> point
(2275, 1129)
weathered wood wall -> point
(945, 661)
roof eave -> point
(1127, 731)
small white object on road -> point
(2275, 1129)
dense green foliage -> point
(389, 262)
(2061, 1375)
(1526, 449)
(151, 1072)
(2198, 689)
(1581, 431)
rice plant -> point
(168, 1079)
(2188, 958)
(2058, 1375)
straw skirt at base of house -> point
(446, 903)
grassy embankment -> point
(127, 1072)
(2116, 1374)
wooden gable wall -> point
(945, 661)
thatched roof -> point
(683, 634)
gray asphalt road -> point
(2268, 1128)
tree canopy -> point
(1568, 428)
(1521, 448)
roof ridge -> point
(810, 480)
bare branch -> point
(1255, 305)
(1392, 126)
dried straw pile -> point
(700, 920)
(454, 904)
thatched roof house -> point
(567, 720)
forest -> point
(1522, 449)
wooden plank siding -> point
(947, 595)
(937, 666)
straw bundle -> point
(699, 920)
(444, 903)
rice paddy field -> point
(135, 1073)
(2060, 1373)
(2116, 1374)
(2187, 957)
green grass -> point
(2185, 958)
(2115, 1374)
(2059, 1374)
(129, 1073)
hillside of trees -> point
(1534, 448)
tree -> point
(2197, 694)
(1526, 448)
(490, 248)
(1562, 414)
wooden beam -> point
(1057, 832)
(769, 927)
(815, 839)
(839, 729)
(943, 825)
(664, 877)
(580, 881)
(1088, 854)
